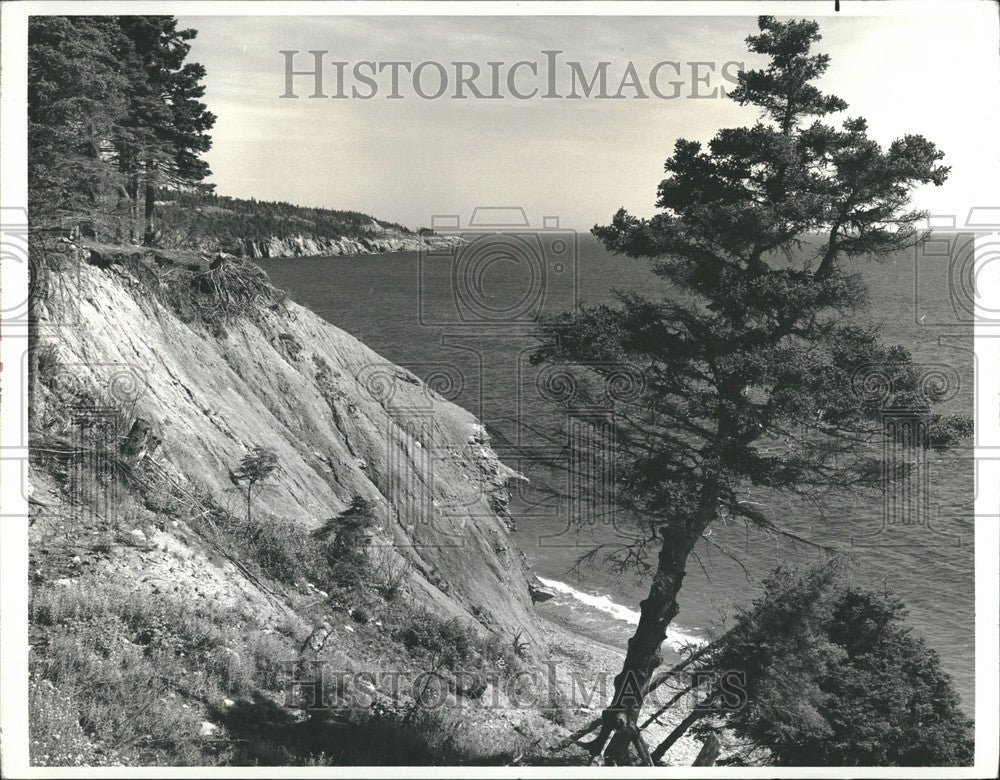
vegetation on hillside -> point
(835, 677)
(197, 217)
(129, 670)
(116, 133)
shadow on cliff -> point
(263, 733)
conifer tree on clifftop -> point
(77, 100)
(167, 125)
(751, 367)
(114, 113)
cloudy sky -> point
(407, 159)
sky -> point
(406, 160)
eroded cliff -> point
(168, 627)
(211, 382)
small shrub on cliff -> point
(391, 572)
(256, 466)
(283, 550)
(49, 364)
(345, 543)
(456, 645)
(448, 641)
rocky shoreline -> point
(306, 245)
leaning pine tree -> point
(749, 362)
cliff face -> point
(158, 635)
(272, 230)
(306, 246)
(343, 421)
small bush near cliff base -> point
(456, 645)
(391, 573)
(278, 549)
(335, 557)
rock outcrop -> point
(275, 248)
(312, 245)
(540, 593)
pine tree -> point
(748, 365)
(256, 467)
(167, 126)
(345, 542)
(835, 677)
(114, 113)
(77, 96)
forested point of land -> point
(117, 130)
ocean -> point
(463, 322)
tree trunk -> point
(130, 174)
(676, 734)
(709, 752)
(150, 235)
(657, 610)
(659, 680)
(35, 285)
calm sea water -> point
(464, 324)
